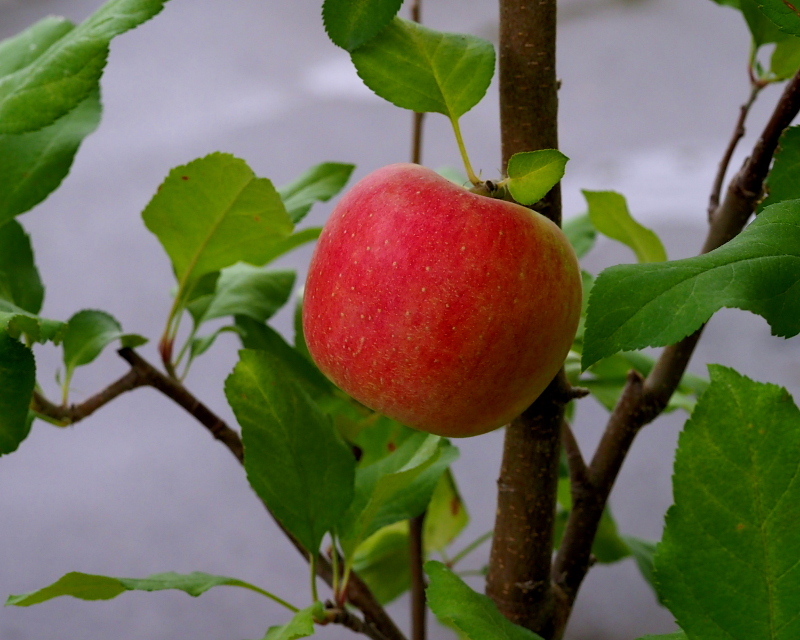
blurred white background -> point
(651, 89)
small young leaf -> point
(244, 290)
(64, 74)
(294, 459)
(32, 165)
(318, 184)
(785, 60)
(352, 23)
(581, 234)
(382, 561)
(729, 563)
(202, 344)
(19, 279)
(416, 68)
(86, 586)
(533, 173)
(16, 322)
(300, 626)
(17, 380)
(475, 615)
(643, 552)
(395, 488)
(610, 216)
(88, 333)
(446, 516)
(782, 182)
(649, 305)
(213, 213)
(609, 546)
(607, 378)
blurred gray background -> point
(651, 89)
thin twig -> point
(738, 134)
(341, 615)
(174, 390)
(578, 473)
(416, 528)
(75, 412)
(643, 400)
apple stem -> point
(473, 178)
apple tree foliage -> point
(330, 469)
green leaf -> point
(294, 459)
(782, 182)
(610, 216)
(609, 546)
(532, 174)
(62, 75)
(16, 322)
(300, 626)
(88, 333)
(398, 487)
(295, 240)
(643, 552)
(763, 30)
(416, 68)
(783, 14)
(213, 213)
(635, 306)
(87, 586)
(318, 184)
(473, 614)
(581, 234)
(32, 165)
(256, 335)
(382, 561)
(19, 279)
(378, 437)
(607, 378)
(24, 48)
(299, 335)
(729, 563)
(244, 290)
(202, 344)
(351, 23)
(785, 60)
(447, 514)
(17, 380)
(680, 635)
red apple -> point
(445, 310)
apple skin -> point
(445, 310)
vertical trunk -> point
(519, 572)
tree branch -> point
(578, 472)
(738, 134)
(416, 528)
(644, 399)
(77, 412)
